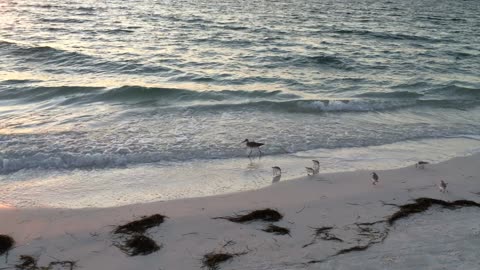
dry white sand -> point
(339, 200)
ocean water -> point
(98, 88)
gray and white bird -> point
(276, 171)
(277, 174)
(316, 166)
(313, 170)
(374, 178)
(310, 171)
(421, 164)
(253, 145)
(443, 186)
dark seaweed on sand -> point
(6, 243)
(324, 234)
(418, 206)
(26, 263)
(268, 214)
(141, 225)
(423, 204)
(277, 230)
(29, 263)
(212, 260)
(139, 245)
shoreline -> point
(189, 232)
(146, 183)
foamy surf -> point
(198, 178)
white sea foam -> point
(174, 180)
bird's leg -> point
(259, 152)
(250, 152)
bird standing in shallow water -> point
(443, 186)
(315, 169)
(252, 145)
(374, 178)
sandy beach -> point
(338, 200)
(144, 135)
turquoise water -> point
(112, 84)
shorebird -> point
(443, 186)
(277, 171)
(315, 169)
(421, 164)
(374, 178)
(316, 166)
(277, 174)
(253, 145)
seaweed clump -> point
(324, 234)
(139, 245)
(423, 204)
(6, 243)
(213, 260)
(277, 230)
(140, 226)
(375, 236)
(29, 263)
(268, 215)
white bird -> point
(277, 174)
(443, 186)
(374, 178)
(421, 164)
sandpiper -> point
(315, 169)
(316, 166)
(253, 145)
(277, 174)
(374, 178)
(421, 164)
(443, 186)
(277, 171)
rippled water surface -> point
(96, 84)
